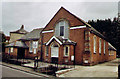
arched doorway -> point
(54, 53)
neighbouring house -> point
(32, 40)
(67, 39)
(17, 34)
(16, 49)
(25, 47)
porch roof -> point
(61, 41)
(17, 44)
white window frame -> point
(11, 49)
(64, 28)
(65, 51)
(104, 46)
(109, 52)
(94, 43)
(35, 50)
(35, 44)
(100, 42)
(31, 46)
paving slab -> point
(107, 69)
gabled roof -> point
(61, 41)
(33, 35)
(17, 44)
(69, 16)
(20, 31)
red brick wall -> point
(112, 57)
(46, 38)
(97, 57)
(13, 54)
(31, 55)
(77, 35)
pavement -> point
(107, 69)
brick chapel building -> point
(67, 39)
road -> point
(9, 72)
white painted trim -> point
(47, 31)
(55, 39)
(65, 50)
(111, 46)
(77, 27)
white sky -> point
(38, 13)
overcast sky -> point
(38, 14)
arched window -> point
(61, 28)
(94, 44)
(104, 46)
(100, 46)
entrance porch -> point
(58, 51)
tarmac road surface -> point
(9, 72)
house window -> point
(61, 25)
(66, 51)
(46, 50)
(61, 30)
(104, 47)
(94, 44)
(109, 52)
(11, 49)
(35, 50)
(35, 44)
(100, 46)
(30, 49)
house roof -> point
(17, 44)
(33, 35)
(20, 31)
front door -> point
(54, 54)
(20, 53)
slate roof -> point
(20, 31)
(17, 44)
(60, 40)
(33, 35)
(66, 41)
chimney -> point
(22, 27)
